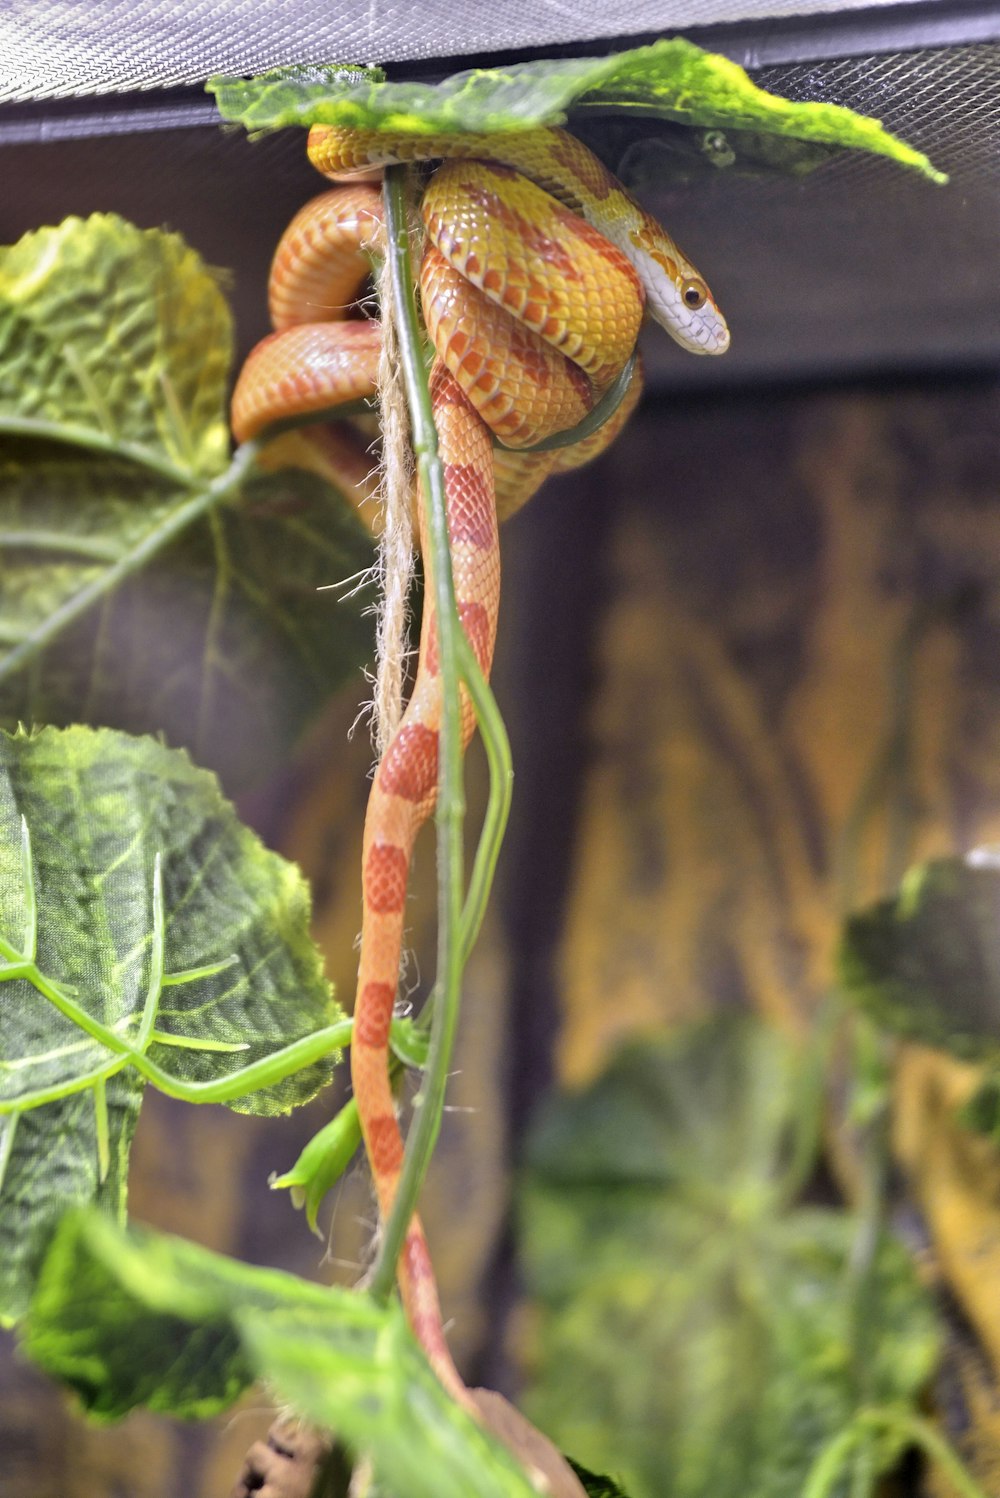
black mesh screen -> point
(61, 48)
(947, 99)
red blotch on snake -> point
(410, 766)
(385, 879)
(373, 1015)
(470, 506)
(476, 623)
(385, 1145)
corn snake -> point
(533, 285)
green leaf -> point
(672, 80)
(148, 583)
(683, 154)
(141, 1319)
(926, 963)
(145, 935)
(322, 1162)
(115, 337)
(130, 603)
(690, 1324)
(597, 1486)
(49, 1160)
(328, 1153)
(654, 1116)
(981, 1112)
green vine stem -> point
(450, 813)
(457, 926)
(501, 771)
(909, 1430)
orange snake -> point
(533, 284)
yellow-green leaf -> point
(672, 80)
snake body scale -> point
(533, 284)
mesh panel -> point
(946, 100)
(66, 47)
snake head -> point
(677, 297)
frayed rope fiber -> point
(395, 565)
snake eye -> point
(694, 293)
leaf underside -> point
(49, 1160)
(139, 589)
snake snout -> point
(719, 337)
(700, 331)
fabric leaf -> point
(671, 80)
(691, 1322)
(145, 935)
(148, 582)
(926, 963)
(142, 1319)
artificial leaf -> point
(926, 963)
(131, 603)
(672, 79)
(139, 1318)
(50, 1158)
(118, 338)
(322, 1162)
(327, 1155)
(656, 1115)
(669, 1269)
(981, 1112)
(598, 1486)
(145, 583)
(145, 934)
(679, 153)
